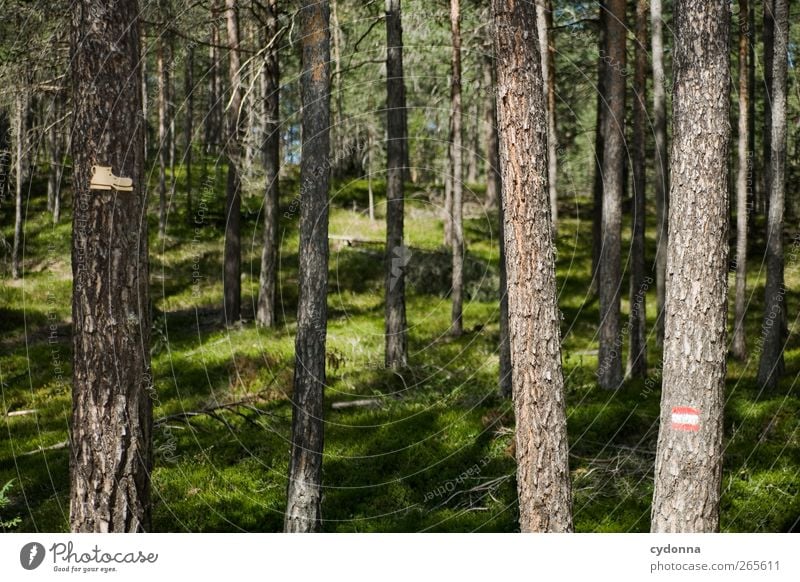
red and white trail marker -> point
(685, 418)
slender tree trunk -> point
(21, 131)
(456, 171)
(163, 75)
(637, 354)
(370, 192)
(661, 165)
(769, 52)
(171, 114)
(609, 371)
(397, 254)
(599, 149)
(55, 145)
(266, 314)
(689, 454)
(143, 60)
(232, 282)
(751, 115)
(305, 467)
(189, 127)
(543, 482)
(544, 21)
(112, 386)
(739, 345)
(473, 149)
(771, 364)
(493, 182)
(212, 134)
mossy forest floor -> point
(431, 451)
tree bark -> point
(637, 352)
(21, 130)
(609, 370)
(689, 453)
(305, 468)
(111, 431)
(266, 314)
(490, 127)
(661, 164)
(544, 21)
(769, 53)
(771, 365)
(232, 282)
(543, 481)
(739, 344)
(396, 258)
(189, 127)
(457, 184)
(163, 74)
(212, 120)
(56, 160)
(599, 148)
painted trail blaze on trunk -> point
(111, 442)
(543, 480)
(688, 467)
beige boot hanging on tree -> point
(104, 179)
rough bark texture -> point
(396, 254)
(689, 462)
(739, 344)
(111, 430)
(163, 81)
(456, 176)
(661, 164)
(541, 431)
(232, 269)
(270, 78)
(637, 352)
(490, 127)
(609, 370)
(544, 21)
(305, 468)
(771, 364)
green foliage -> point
(7, 523)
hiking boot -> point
(104, 179)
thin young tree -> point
(661, 163)
(689, 452)
(305, 466)
(396, 355)
(609, 371)
(232, 268)
(188, 128)
(111, 455)
(163, 150)
(456, 184)
(21, 104)
(544, 22)
(637, 352)
(597, 185)
(270, 87)
(543, 481)
(739, 343)
(771, 365)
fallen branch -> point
(363, 403)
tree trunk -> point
(266, 314)
(232, 282)
(609, 370)
(544, 21)
(472, 152)
(689, 455)
(739, 344)
(305, 467)
(397, 254)
(771, 364)
(769, 53)
(111, 432)
(493, 182)
(543, 481)
(21, 131)
(599, 148)
(637, 353)
(661, 164)
(212, 120)
(189, 127)
(143, 61)
(163, 75)
(55, 147)
(457, 184)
